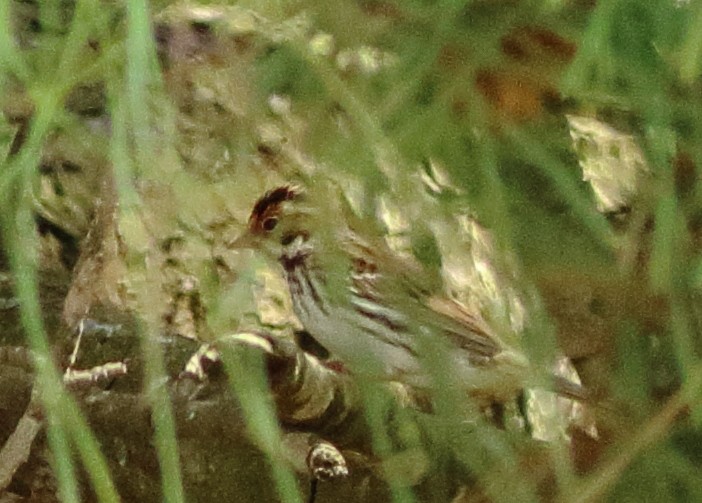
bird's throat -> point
(296, 251)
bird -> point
(382, 314)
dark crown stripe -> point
(274, 197)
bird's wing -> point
(402, 285)
(405, 292)
(465, 330)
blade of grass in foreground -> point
(165, 438)
(691, 53)
(141, 74)
(536, 154)
(247, 378)
(64, 419)
(375, 407)
(10, 58)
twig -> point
(81, 378)
(73, 378)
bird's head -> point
(277, 216)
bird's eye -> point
(269, 224)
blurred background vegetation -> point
(541, 155)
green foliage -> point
(378, 92)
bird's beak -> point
(245, 240)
